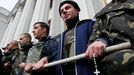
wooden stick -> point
(81, 56)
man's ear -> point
(45, 30)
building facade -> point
(27, 12)
(3, 21)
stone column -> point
(11, 29)
(4, 41)
(84, 12)
(108, 1)
(41, 13)
(57, 25)
(25, 19)
(93, 7)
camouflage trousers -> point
(118, 63)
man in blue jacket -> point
(74, 40)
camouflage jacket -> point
(115, 23)
(8, 58)
(18, 57)
(45, 48)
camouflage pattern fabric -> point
(35, 53)
(116, 22)
(23, 55)
(19, 56)
(15, 63)
(8, 57)
(68, 48)
(68, 51)
(118, 63)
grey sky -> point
(8, 4)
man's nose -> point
(64, 11)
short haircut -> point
(27, 35)
(15, 43)
(43, 25)
(73, 3)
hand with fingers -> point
(97, 48)
(28, 67)
(39, 66)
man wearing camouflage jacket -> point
(41, 53)
(114, 25)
